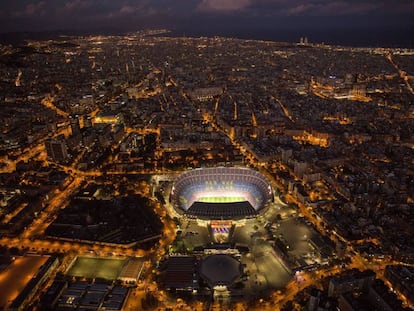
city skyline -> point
(328, 21)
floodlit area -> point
(271, 245)
(221, 185)
(221, 199)
(92, 267)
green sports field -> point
(89, 267)
(221, 199)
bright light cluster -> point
(221, 185)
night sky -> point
(376, 19)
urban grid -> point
(151, 172)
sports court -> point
(90, 267)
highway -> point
(403, 75)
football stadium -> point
(221, 193)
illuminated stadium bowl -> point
(221, 192)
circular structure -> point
(220, 269)
(221, 192)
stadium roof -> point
(221, 192)
(222, 210)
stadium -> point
(221, 193)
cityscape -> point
(147, 171)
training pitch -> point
(88, 267)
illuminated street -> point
(149, 171)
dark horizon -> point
(343, 22)
(388, 38)
(341, 36)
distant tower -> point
(360, 89)
(127, 71)
(350, 79)
(17, 82)
(56, 149)
(314, 299)
(74, 125)
(299, 168)
(87, 122)
(286, 155)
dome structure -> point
(220, 269)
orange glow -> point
(318, 139)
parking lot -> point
(279, 241)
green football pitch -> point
(88, 267)
(221, 199)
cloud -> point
(76, 5)
(127, 9)
(406, 7)
(223, 5)
(138, 9)
(315, 7)
(62, 14)
(292, 7)
(346, 8)
(32, 10)
(301, 9)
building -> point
(378, 297)
(87, 121)
(220, 272)
(300, 168)
(181, 273)
(131, 271)
(355, 282)
(402, 279)
(74, 125)
(205, 93)
(319, 301)
(50, 298)
(92, 296)
(24, 298)
(56, 149)
(108, 117)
